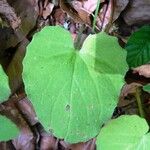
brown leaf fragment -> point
(85, 17)
(79, 18)
(26, 138)
(13, 67)
(7, 145)
(89, 145)
(59, 16)
(45, 3)
(143, 70)
(9, 109)
(118, 7)
(28, 13)
(137, 12)
(131, 77)
(26, 108)
(48, 142)
(129, 89)
(47, 10)
(90, 5)
(9, 15)
(115, 8)
(25, 141)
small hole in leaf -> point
(67, 107)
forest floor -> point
(22, 19)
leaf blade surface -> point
(71, 86)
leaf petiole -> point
(95, 17)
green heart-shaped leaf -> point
(73, 92)
(138, 47)
(124, 133)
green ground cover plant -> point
(75, 92)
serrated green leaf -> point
(7, 129)
(147, 88)
(124, 133)
(138, 47)
(73, 92)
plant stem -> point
(139, 103)
(95, 16)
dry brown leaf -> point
(138, 12)
(85, 17)
(81, 17)
(82, 12)
(85, 8)
(129, 89)
(28, 12)
(104, 16)
(118, 7)
(48, 10)
(48, 142)
(8, 14)
(114, 10)
(7, 145)
(143, 70)
(89, 145)
(90, 5)
(24, 142)
(59, 16)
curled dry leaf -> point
(143, 70)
